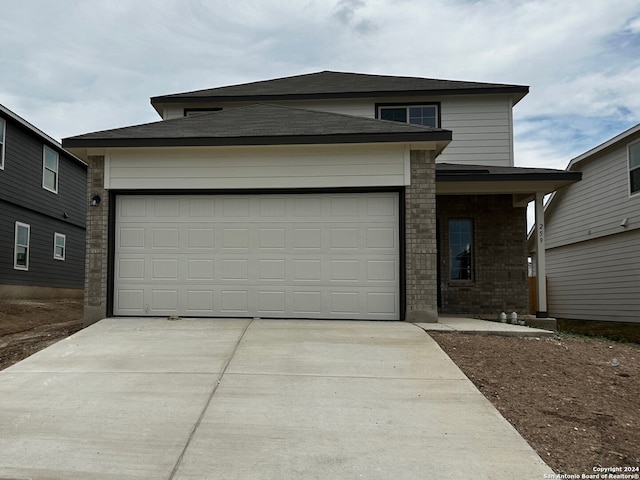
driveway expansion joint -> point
(208, 402)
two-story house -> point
(326, 195)
(593, 235)
(42, 213)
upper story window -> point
(21, 247)
(427, 115)
(2, 134)
(634, 167)
(50, 170)
(190, 112)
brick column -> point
(95, 283)
(420, 240)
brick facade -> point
(500, 265)
(499, 256)
(420, 240)
(96, 266)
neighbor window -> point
(461, 249)
(50, 169)
(2, 134)
(21, 255)
(59, 246)
(634, 167)
(426, 115)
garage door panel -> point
(345, 303)
(166, 207)
(130, 269)
(315, 256)
(164, 300)
(307, 238)
(130, 237)
(345, 270)
(307, 303)
(382, 206)
(200, 302)
(382, 271)
(307, 269)
(129, 301)
(271, 238)
(381, 303)
(200, 269)
(271, 303)
(198, 238)
(164, 269)
(234, 301)
(235, 269)
(235, 238)
(381, 238)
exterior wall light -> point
(95, 201)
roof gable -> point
(328, 84)
(35, 131)
(627, 136)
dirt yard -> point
(575, 399)
(29, 326)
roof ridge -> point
(330, 84)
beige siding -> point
(481, 125)
(248, 167)
(482, 131)
(595, 206)
(597, 279)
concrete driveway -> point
(241, 399)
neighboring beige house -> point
(325, 195)
(593, 235)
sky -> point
(76, 66)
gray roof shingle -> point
(259, 124)
(452, 172)
(328, 84)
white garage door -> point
(279, 256)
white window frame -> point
(45, 169)
(16, 245)
(630, 169)
(3, 139)
(56, 236)
(407, 106)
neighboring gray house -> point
(326, 195)
(593, 235)
(42, 213)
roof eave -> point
(43, 136)
(623, 137)
(521, 183)
(517, 91)
(441, 138)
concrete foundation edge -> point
(27, 292)
(422, 316)
(93, 314)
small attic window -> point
(190, 112)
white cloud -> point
(76, 66)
